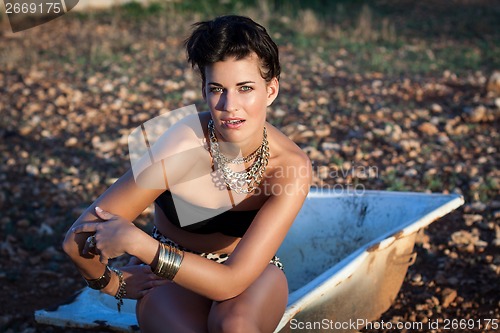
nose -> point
(228, 101)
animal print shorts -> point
(217, 257)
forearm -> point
(196, 273)
(144, 247)
(205, 277)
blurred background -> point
(407, 89)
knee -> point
(141, 309)
(149, 310)
(233, 322)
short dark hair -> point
(232, 36)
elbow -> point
(227, 292)
(224, 296)
(69, 244)
(233, 282)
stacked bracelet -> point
(101, 282)
(169, 261)
(121, 292)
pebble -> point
(480, 244)
(476, 207)
(314, 154)
(23, 223)
(189, 96)
(106, 146)
(493, 84)
(436, 108)
(108, 87)
(417, 278)
(477, 114)
(448, 295)
(323, 101)
(470, 219)
(322, 131)
(71, 142)
(45, 229)
(279, 113)
(25, 130)
(330, 146)
(428, 128)
(462, 237)
(32, 170)
(411, 173)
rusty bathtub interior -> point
(345, 258)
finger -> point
(152, 284)
(103, 259)
(85, 227)
(147, 269)
(134, 261)
(155, 277)
(102, 214)
(160, 282)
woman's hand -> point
(140, 279)
(112, 237)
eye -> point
(215, 89)
(246, 88)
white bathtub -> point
(345, 258)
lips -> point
(232, 122)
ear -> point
(273, 88)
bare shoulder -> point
(288, 161)
(186, 133)
(174, 153)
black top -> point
(194, 218)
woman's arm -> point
(124, 197)
(259, 244)
(253, 253)
(180, 148)
(250, 257)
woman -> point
(240, 225)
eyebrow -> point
(237, 84)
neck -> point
(243, 149)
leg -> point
(172, 308)
(257, 309)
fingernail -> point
(98, 209)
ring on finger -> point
(91, 241)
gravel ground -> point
(70, 94)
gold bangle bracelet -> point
(169, 261)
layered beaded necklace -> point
(242, 182)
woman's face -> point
(238, 97)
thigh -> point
(172, 308)
(258, 309)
